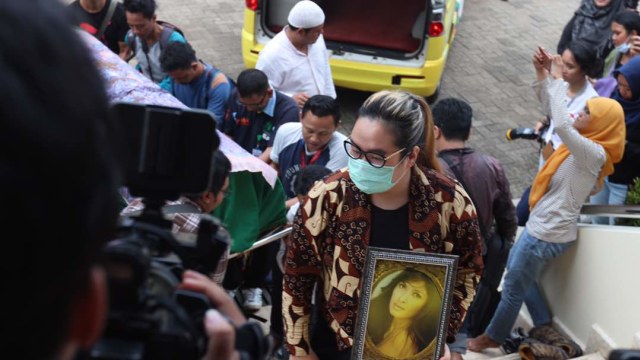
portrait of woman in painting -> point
(403, 315)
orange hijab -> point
(606, 128)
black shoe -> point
(512, 343)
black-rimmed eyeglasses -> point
(376, 160)
(253, 105)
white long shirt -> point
(574, 106)
(291, 71)
(555, 216)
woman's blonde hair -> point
(409, 117)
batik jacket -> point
(329, 240)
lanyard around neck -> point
(314, 158)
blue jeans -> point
(522, 209)
(526, 262)
(460, 344)
(611, 194)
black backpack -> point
(167, 29)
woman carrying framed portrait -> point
(391, 195)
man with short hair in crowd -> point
(255, 113)
(296, 60)
(145, 37)
(105, 20)
(484, 179)
(195, 83)
(313, 140)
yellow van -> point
(374, 44)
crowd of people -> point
(404, 178)
(589, 137)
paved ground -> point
(489, 64)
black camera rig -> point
(166, 153)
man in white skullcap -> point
(296, 59)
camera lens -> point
(521, 133)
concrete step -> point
(592, 356)
(495, 353)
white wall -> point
(597, 281)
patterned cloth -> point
(330, 236)
(184, 223)
(124, 83)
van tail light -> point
(252, 4)
(436, 28)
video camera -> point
(528, 133)
(166, 153)
(522, 133)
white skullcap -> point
(306, 15)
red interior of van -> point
(380, 24)
(383, 24)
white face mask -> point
(371, 180)
(624, 48)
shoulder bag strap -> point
(107, 18)
(209, 80)
(165, 35)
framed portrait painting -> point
(404, 305)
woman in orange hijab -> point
(591, 145)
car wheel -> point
(433, 97)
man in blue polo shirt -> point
(256, 111)
(314, 140)
(196, 84)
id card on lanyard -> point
(262, 140)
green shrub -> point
(633, 198)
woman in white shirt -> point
(593, 143)
(580, 61)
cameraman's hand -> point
(194, 281)
(222, 337)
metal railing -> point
(619, 211)
(264, 241)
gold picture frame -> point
(404, 305)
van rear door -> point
(391, 29)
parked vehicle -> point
(374, 44)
